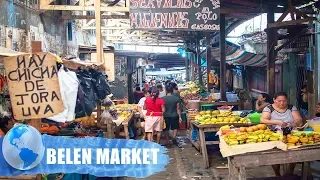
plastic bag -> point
(106, 118)
(101, 84)
(107, 102)
(87, 98)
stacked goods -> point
(215, 117)
(124, 114)
(254, 134)
(87, 121)
(47, 129)
(192, 92)
(192, 115)
(126, 107)
(301, 138)
(190, 96)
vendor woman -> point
(279, 115)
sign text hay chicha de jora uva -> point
(33, 85)
(194, 15)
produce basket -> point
(223, 109)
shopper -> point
(262, 101)
(281, 115)
(138, 94)
(154, 117)
(162, 93)
(147, 93)
(303, 102)
(172, 115)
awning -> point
(237, 56)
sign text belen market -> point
(33, 86)
(198, 15)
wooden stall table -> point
(19, 177)
(239, 163)
(126, 124)
(201, 144)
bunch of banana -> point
(251, 137)
(297, 138)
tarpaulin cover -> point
(237, 56)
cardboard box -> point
(227, 150)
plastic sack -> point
(87, 98)
(69, 88)
(105, 118)
(101, 84)
(107, 102)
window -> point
(69, 30)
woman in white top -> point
(147, 93)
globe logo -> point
(22, 147)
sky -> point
(259, 23)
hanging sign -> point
(33, 86)
(195, 15)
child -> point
(317, 110)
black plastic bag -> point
(101, 84)
(87, 102)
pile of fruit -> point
(215, 117)
(125, 107)
(124, 114)
(87, 121)
(301, 138)
(260, 133)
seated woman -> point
(279, 115)
(262, 101)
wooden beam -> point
(108, 28)
(289, 23)
(82, 8)
(291, 40)
(283, 15)
(271, 43)
(223, 58)
(248, 10)
(66, 17)
(209, 60)
(98, 31)
(45, 2)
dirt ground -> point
(186, 164)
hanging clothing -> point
(210, 78)
(69, 84)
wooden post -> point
(98, 30)
(209, 60)
(199, 62)
(223, 57)
(188, 67)
(36, 123)
(317, 62)
(271, 43)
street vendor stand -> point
(201, 143)
(239, 163)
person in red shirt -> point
(154, 117)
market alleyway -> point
(186, 164)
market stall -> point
(211, 122)
(247, 148)
(239, 163)
(66, 100)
